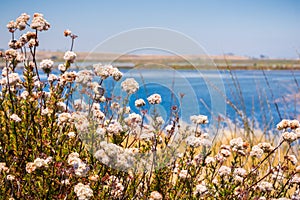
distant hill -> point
(176, 61)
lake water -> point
(265, 98)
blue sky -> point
(251, 28)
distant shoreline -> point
(174, 61)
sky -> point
(247, 28)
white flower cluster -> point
(266, 147)
(70, 56)
(113, 155)
(84, 77)
(104, 71)
(238, 145)
(20, 23)
(154, 99)
(39, 23)
(114, 128)
(224, 170)
(139, 103)
(130, 85)
(256, 151)
(225, 150)
(98, 115)
(67, 77)
(183, 174)
(13, 79)
(13, 55)
(265, 186)
(3, 167)
(289, 136)
(133, 119)
(199, 119)
(37, 163)
(210, 160)
(64, 118)
(83, 192)
(79, 166)
(285, 124)
(200, 189)
(195, 142)
(155, 196)
(239, 174)
(80, 120)
(15, 118)
(46, 65)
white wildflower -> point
(83, 192)
(84, 77)
(45, 111)
(73, 158)
(10, 177)
(294, 124)
(210, 160)
(289, 136)
(80, 105)
(80, 120)
(62, 67)
(13, 79)
(61, 106)
(94, 177)
(102, 71)
(130, 85)
(67, 77)
(30, 167)
(200, 189)
(46, 65)
(159, 121)
(284, 124)
(265, 186)
(3, 167)
(240, 172)
(39, 23)
(116, 74)
(183, 174)
(64, 118)
(237, 144)
(15, 117)
(155, 196)
(154, 99)
(224, 170)
(70, 56)
(139, 103)
(133, 119)
(199, 119)
(193, 141)
(256, 151)
(71, 134)
(266, 147)
(81, 169)
(114, 128)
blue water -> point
(266, 99)
(263, 98)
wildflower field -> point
(64, 138)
